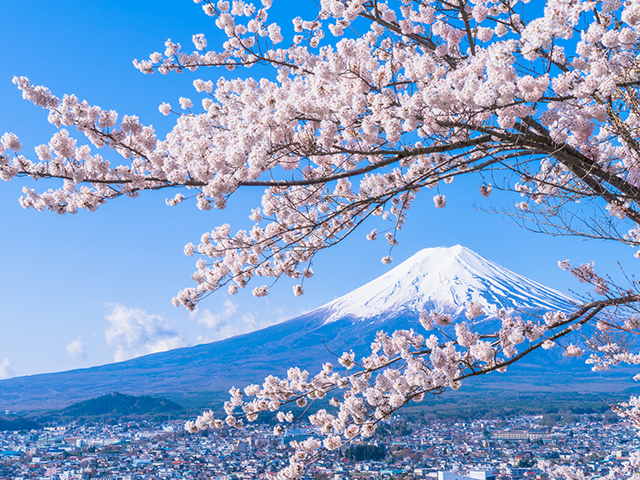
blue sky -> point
(91, 288)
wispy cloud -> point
(228, 322)
(200, 339)
(5, 370)
(77, 349)
(215, 320)
(134, 332)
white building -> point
(487, 474)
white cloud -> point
(200, 339)
(77, 349)
(5, 371)
(135, 332)
(229, 322)
(215, 320)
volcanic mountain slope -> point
(442, 279)
(446, 280)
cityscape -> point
(506, 449)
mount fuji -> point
(445, 280)
(441, 279)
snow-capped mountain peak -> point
(445, 279)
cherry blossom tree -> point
(370, 104)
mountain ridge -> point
(311, 339)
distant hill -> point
(118, 404)
(14, 424)
(442, 279)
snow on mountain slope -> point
(445, 279)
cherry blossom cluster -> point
(615, 330)
(400, 368)
(585, 273)
(355, 126)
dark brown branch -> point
(467, 26)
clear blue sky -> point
(75, 291)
